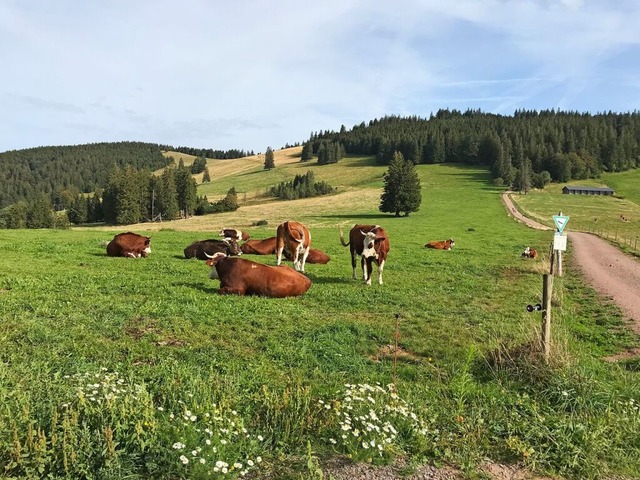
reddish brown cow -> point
(529, 253)
(203, 249)
(442, 245)
(245, 277)
(372, 244)
(259, 247)
(294, 239)
(237, 235)
(268, 247)
(129, 244)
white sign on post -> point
(560, 242)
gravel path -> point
(611, 272)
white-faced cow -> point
(268, 247)
(529, 253)
(237, 235)
(372, 244)
(129, 245)
(201, 248)
(294, 239)
(244, 277)
(441, 245)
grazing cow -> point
(129, 244)
(244, 277)
(529, 253)
(372, 244)
(294, 239)
(268, 247)
(443, 245)
(260, 247)
(201, 248)
(234, 233)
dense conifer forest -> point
(529, 148)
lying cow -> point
(529, 253)
(237, 235)
(268, 247)
(244, 277)
(130, 245)
(294, 239)
(443, 245)
(372, 244)
(201, 248)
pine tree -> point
(206, 178)
(185, 190)
(307, 152)
(401, 187)
(269, 161)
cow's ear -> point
(380, 239)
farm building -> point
(588, 190)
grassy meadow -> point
(121, 368)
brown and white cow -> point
(529, 253)
(130, 245)
(442, 245)
(201, 248)
(372, 244)
(245, 277)
(268, 247)
(237, 235)
(294, 239)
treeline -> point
(527, 148)
(302, 186)
(80, 168)
(208, 152)
(130, 196)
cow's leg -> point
(279, 255)
(304, 255)
(353, 263)
(365, 270)
(231, 291)
(380, 268)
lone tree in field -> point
(269, 162)
(401, 187)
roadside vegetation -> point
(121, 368)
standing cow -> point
(129, 245)
(294, 239)
(245, 277)
(372, 244)
(201, 249)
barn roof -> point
(588, 189)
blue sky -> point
(252, 74)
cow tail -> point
(342, 238)
(301, 232)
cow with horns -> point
(200, 249)
(372, 244)
(267, 246)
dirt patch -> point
(629, 354)
(388, 352)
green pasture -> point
(616, 217)
(272, 373)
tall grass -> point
(264, 370)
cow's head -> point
(212, 261)
(451, 243)
(147, 247)
(370, 240)
(232, 244)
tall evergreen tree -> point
(185, 191)
(307, 152)
(269, 161)
(166, 197)
(206, 178)
(401, 187)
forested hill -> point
(82, 168)
(567, 145)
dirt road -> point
(612, 273)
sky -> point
(249, 75)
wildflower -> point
(178, 446)
(203, 461)
(565, 393)
(237, 465)
(194, 452)
(250, 463)
(260, 438)
(184, 459)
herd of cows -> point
(292, 241)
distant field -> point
(615, 217)
(278, 368)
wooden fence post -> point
(547, 293)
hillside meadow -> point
(122, 368)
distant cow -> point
(372, 244)
(443, 245)
(244, 277)
(529, 253)
(201, 248)
(129, 244)
(237, 235)
(294, 239)
(268, 247)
